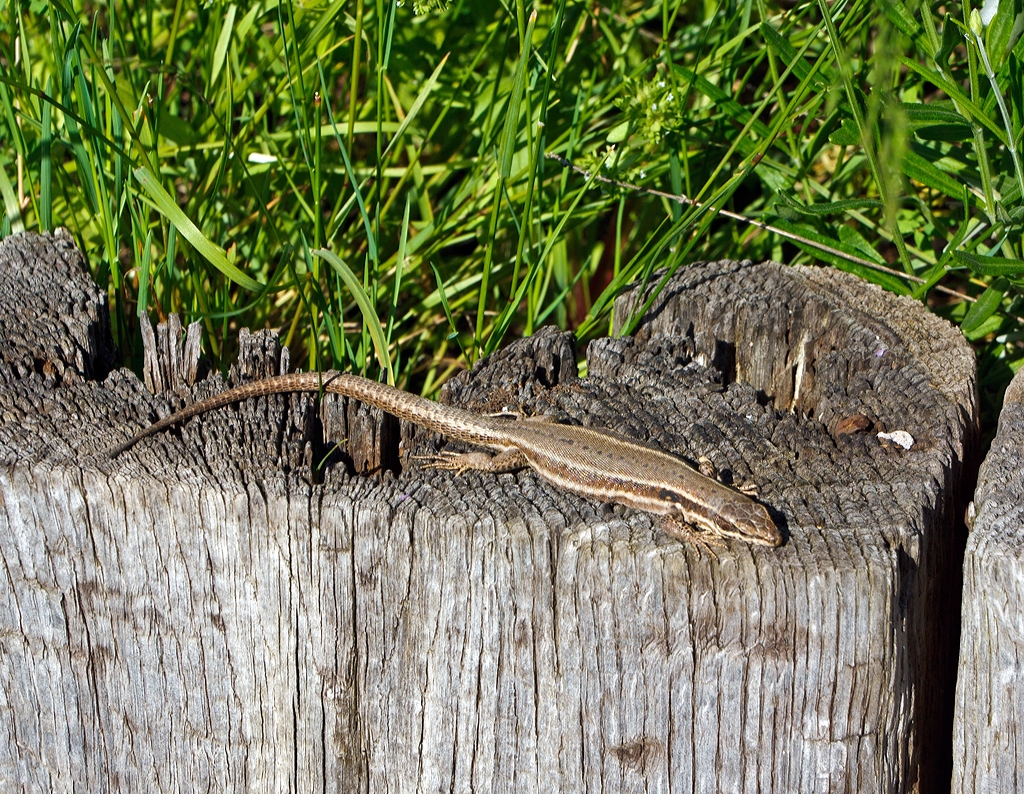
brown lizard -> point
(593, 463)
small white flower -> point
(643, 174)
(988, 11)
(654, 106)
(901, 437)
(661, 84)
(540, 125)
(670, 96)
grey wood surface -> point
(989, 726)
(271, 598)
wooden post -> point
(219, 609)
(988, 735)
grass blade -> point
(370, 319)
(209, 250)
(421, 98)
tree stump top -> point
(780, 376)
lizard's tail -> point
(296, 382)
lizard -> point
(594, 463)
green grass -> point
(375, 179)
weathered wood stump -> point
(989, 730)
(229, 605)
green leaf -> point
(220, 51)
(144, 268)
(1004, 31)
(935, 122)
(417, 104)
(618, 133)
(443, 295)
(396, 290)
(209, 250)
(975, 114)
(989, 265)
(948, 133)
(901, 18)
(724, 103)
(856, 241)
(46, 166)
(788, 54)
(508, 313)
(177, 130)
(830, 207)
(931, 277)
(984, 307)
(922, 115)
(370, 318)
(11, 209)
(245, 25)
(917, 167)
(887, 280)
(172, 242)
(951, 38)
(846, 135)
(510, 130)
(990, 326)
(371, 239)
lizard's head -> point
(748, 522)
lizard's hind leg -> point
(459, 462)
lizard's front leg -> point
(699, 538)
